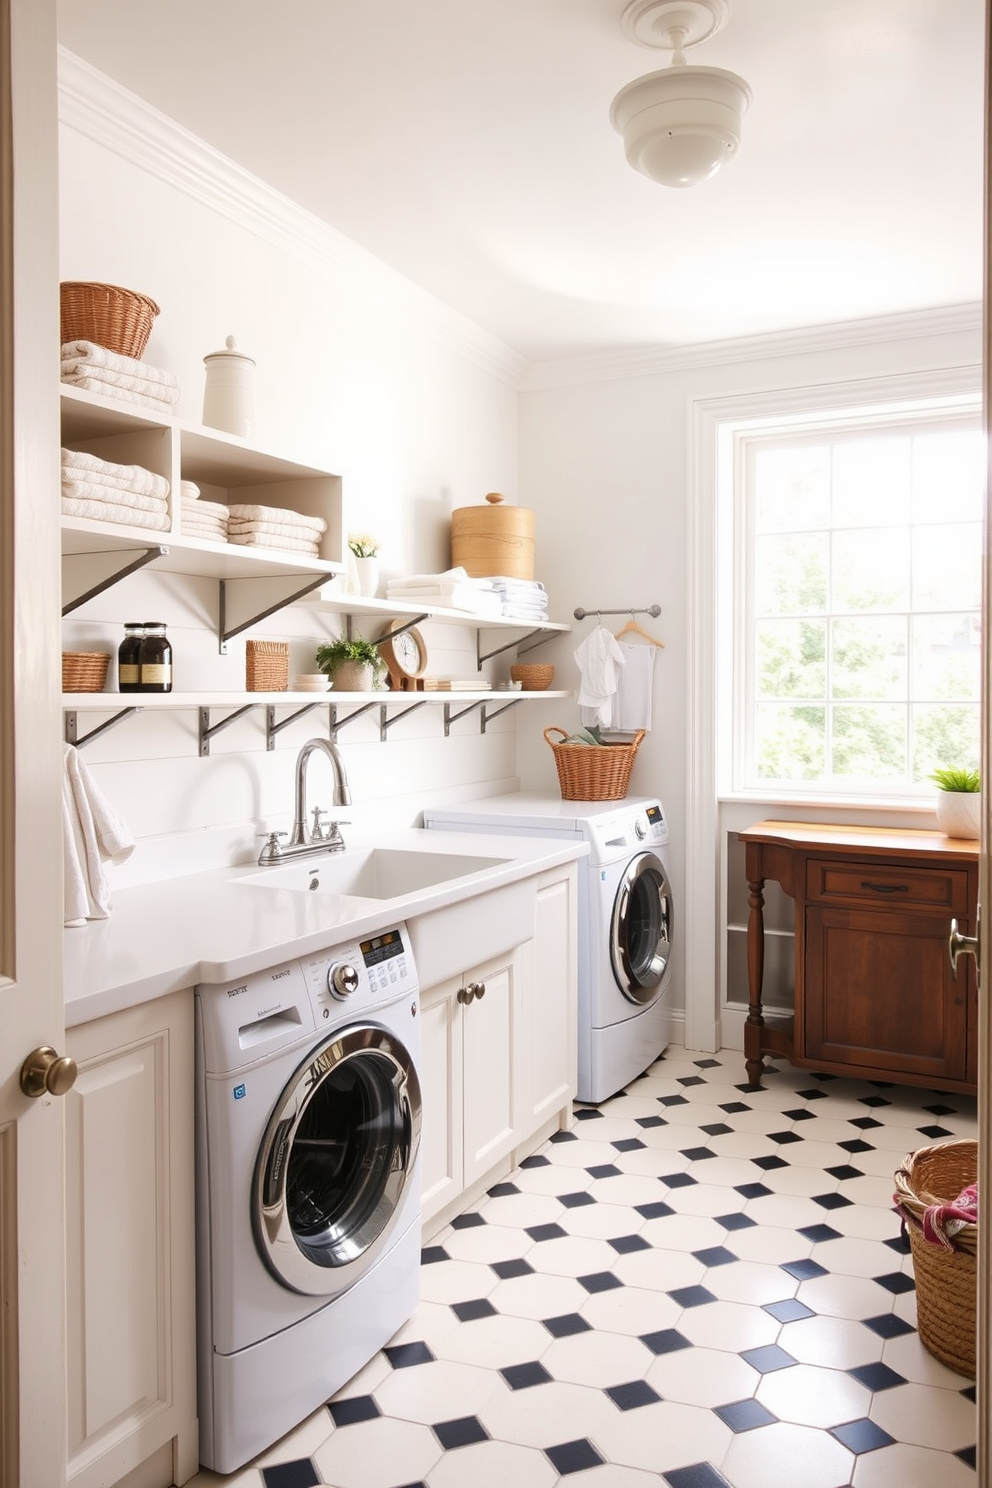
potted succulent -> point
(353, 666)
(959, 802)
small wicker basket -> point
(586, 773)
(119, 319)
(266, 666)
(534, 676)
(945, 1279)
(84, 671)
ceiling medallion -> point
(679, 125)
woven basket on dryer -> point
(587, 772)
(945, 1279)
(119, 319)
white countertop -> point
(206, 927)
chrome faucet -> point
(304, 839)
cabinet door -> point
(549, 1001)
(129, 1223)
(441, 1091)
(879, 994)
(489, 1033)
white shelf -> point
(188, 555)
(354, 604)
(108, 702)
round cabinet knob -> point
(641, 828)
(477, 989)
(465, 995)
(46, 1073)
(342, 981)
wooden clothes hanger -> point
(632, 626)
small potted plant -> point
(352, 666)
(364, 549)
(959, 802)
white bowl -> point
(301, 685)
(315, 677)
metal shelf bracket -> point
(487, 715)
(208, 730)
(451, 717)
(226, 633)
(522, 644)
(386, 723)
(273, 729)
(335, 724)
(73, 737)
(148, 556)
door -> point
(32, 1354)
(984, 1351)
(641, 929)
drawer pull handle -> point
(885, 888)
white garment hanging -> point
(632, 710)
(600, 660)
(92, 834)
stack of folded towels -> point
(450, 590)
(99, 370)
(522, 599)
(272, 527)
(127, 494)
(202, 518)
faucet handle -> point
(333, 833)
(316, 831)
(271, 852)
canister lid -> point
(230, 352)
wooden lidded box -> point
(493, 539)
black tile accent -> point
(832, 1201)
(697, 1154)
(899, 1243)
(298, 1474)
(350, 1412)
(768, 1358)
(935, 1131)
(783, 1138)
(505, 1270)
(599, 1281)
(888, 1325)
(862, 1436)
(692, 1296)
(715, 1255)
(524, 1376)
(666, 1341)
(896, 1282)
(818, 1232)
(678, 1180)
(462, 1432)
(968, 1456)
(803, 1270)
(588, 1113)
(732, 1107)
(647, 1121)
(865, 1122)
(876, 1376)
(749, 1088)
(699, 1475)
(800, 1114)
(501, 1190)
(744, 1415)
(789, 1310)
(566, 1325)
(545, 1232)
(735, 1221)
(563, 1136)
(576, 1200)
(672, 1100)
(873, 1100)
(706, 1063)
(431, 1254)
(604, 1170)
(716, 1129)
(573, 1456)
(468, 1221)
(856, 1145)
(624, 1244)
(468, 1312)
(970, 1393)
(404, 1355)
(628, 1144)
(752, 1190)
(630, 1396)
(939, 1110)
(658, 1210)
(843, 1172)
(537, 1160)
(768, 1163)
(812, 1094)
(687, 1080)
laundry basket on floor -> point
(945, 1279)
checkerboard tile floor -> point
(702, 1284)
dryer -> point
(626, 921)
(308, 1119)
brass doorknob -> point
(46, 1073)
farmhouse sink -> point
(369, 873)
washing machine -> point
(626, 919)
(308, 1119)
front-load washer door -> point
(336, 1160)
(641, 928)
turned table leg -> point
(753, 1057)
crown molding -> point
(839, 336)
(96, 107)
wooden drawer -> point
(941, 889)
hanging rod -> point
(653, 610)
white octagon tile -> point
(580, 1153)
(378, 1454)
(651, 1161)
(431, 1322)
(851, 1257)
(490, 1464)
(812, 1153)
(495, 1342)
(628, 1189)
(926, 1416)
(630, 1310)
(725, 1171)
(455, 1281)
(703, 1197)
(845, 1296)
(664, 1436)
(731, 1326)
(658, 1270)
(798, 1182)
(517, 1211)
(439, 1391)
(366, 1380)
(486, 1243)
(548, 1178)
(834, 1342)
(810, 1396)
(683, 1232)
(864, 1222)
(538, 1296)
(785, 1456)
(769, 1244)
(611, 1476)
(601, 1221)
(749, 1281)
(908, 1357)
(911, 1467)
(571, 1256)
(784, 1211)
(702, 1376)
(595, 1359)
(544, 1415)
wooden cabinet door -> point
(878, 994)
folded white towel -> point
(523, 612)
(96, 384)
(212, 509)
(102, 357)
(508, 585)
(76, 367)
(449, 576)
(95, 490)
(105, 511)
(203, 519)
(92, 834)
(282, 544)
(452, 597)
(204, 524)
(128, 477)
(189, 490)
(285, 518)
(273, 530)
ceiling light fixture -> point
(679, 125)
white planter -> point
(959, 814)
(367, 570)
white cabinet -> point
(499, 1068)
(131, 1322)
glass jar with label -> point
(155, 659)
(128, 657)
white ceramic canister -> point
(227, 396)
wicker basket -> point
(119, 319)
(84, 671)
(945, 1279)
(266, 666)
(534, 676)
(586, 773)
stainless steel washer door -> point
(336, 1160)
(641, 928)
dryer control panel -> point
(362, 974)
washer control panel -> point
(650, 825)
(361, 973)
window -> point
(856, 624)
